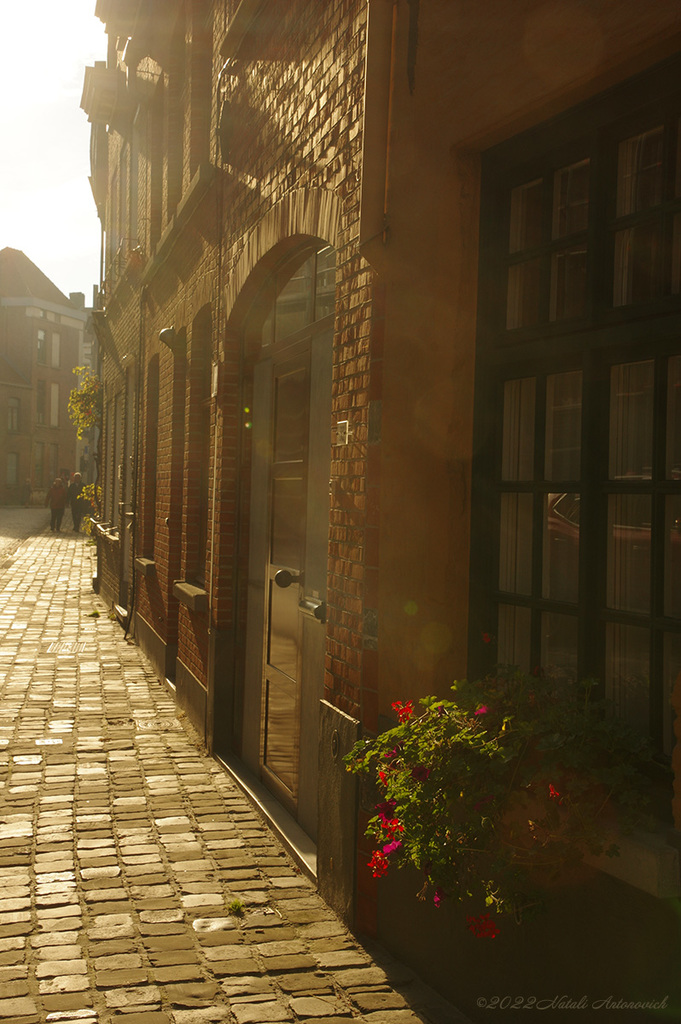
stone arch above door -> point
(300, 215)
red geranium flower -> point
(404, 711)
(378, 864)
(483, 927)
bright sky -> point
(46, 204)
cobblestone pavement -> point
(124, 847)
(18, 523)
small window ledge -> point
(193, 597)
(106, 531)
(646, 861)
(145, 566)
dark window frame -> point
(605, 336)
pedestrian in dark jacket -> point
(56, 499)
(74, 499)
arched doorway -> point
(291, 329)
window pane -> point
(559, 647)
(288, 521)
(54, 405)
(525, 230)
(325, 298)
(627, 673)
(639, 172)
(563, 426)
(674, 419)
(568, 283)
(672, 667)
(517, 457)
(290, 434)
(638, 264)
(294, 305)
(522, 309)
(628, 585)
(560, 569)
(515, 544)
(672, 560)
(513, 632)
(631, 421)
(571, 199)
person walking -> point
(56, 499)
(73, 498)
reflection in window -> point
(570, 199)
(515, 544)
(639, 172)
(629, 552)
(560, 575)
(627, 673)
(631, 421)
(294, 301)
(526, 213)
(517, 459)
(562, 458)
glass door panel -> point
(560, 569)
(562, 454)
(517, 456)
(631, 421)
(627, 667)
(515, 544)
(628, 586)
(513, 642)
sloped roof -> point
(8, 375)
(21, 279)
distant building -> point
(41, 341)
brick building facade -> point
(364, 262)
(41, 341)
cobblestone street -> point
(18, 523)
(137, 883)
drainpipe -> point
(379, 80)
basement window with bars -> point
(578, 401)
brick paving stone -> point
(318, 1006)
(146, 1017)
(260, 1013)
(202, 1015)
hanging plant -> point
(495, 794)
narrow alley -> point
(137, 883)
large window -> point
(579, 400)
(13, 415)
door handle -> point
(320, 612)
(284, 578)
